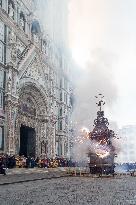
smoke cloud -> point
(96, 78)
(88, 25)
(53, 16)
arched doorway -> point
(27, 141)
(31, 121)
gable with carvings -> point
(36, 71)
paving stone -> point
(71, 191)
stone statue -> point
(11, 11)
(12, 47)
(36, 39)
(11, 38)
(22, 23)
(9, 87)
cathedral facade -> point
(35, 86)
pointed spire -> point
(100, 101)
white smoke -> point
(80, 151)
(53, 16)
(96, 78)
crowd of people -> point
(12, 161)
(126, 166)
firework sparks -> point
(86, 130)
(100, 148)
(84, 134)
(102, 154)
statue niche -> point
(22, 21)
(11, 9)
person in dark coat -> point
(2, 168)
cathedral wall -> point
(29, 60)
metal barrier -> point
(78, 171)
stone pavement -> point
(34, 170)
(71, 191)
(25, 171)
(18, 175)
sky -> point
(109, 26)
